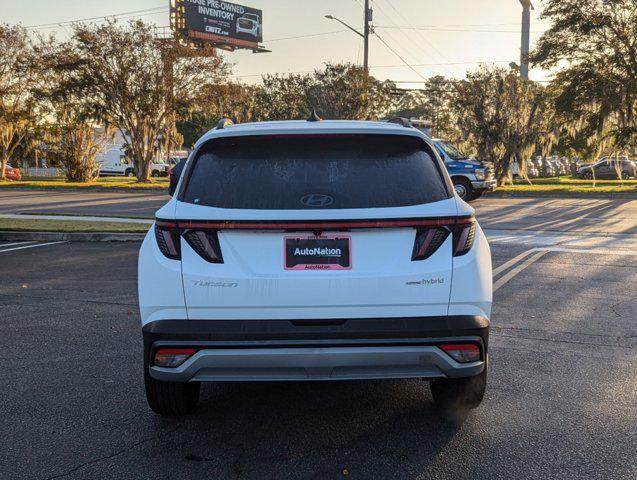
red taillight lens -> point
(172, 357)
(462, 352)
(168, 241)
(427, 242)
(206, 244)
(463, 237)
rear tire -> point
(171, 399)
(459, 393)
(463, 188)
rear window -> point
(316, 171)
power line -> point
(146, 11)
(424, 39)
(306, 36)
(398, 55)
(438, 29)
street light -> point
(364, 35)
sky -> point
(435, 37)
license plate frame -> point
(295, 257)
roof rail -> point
(223, 123)
(405, 122)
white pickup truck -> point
(114, 162)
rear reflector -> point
(172, 357)
(462, 352)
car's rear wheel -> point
(459, 393)
(171, 399)
(463, 188)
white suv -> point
(314, 250)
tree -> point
(15, 101)
(594, 45)
(505, 118)
(346, 91)
(432, 102)
(216, 101)
(339, 91)
(138, 83)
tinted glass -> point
(317, 171)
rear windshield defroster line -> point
(296, 172)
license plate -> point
(318, 253)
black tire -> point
(463, 188)
(477, 194)
(129, 173)
(459, 393)
(171, 399)
(625, 176)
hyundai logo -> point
(317, 200)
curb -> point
(71, 237)
(563, 195)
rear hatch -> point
(316, 226)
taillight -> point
(172, 357)
(428, 241)
(205, 243)
(168, 240)
(463, 237)
(462, 352)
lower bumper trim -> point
(331, 363)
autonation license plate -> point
(318, 253)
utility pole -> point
(527, 6)
(366, 32)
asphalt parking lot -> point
(561, 400)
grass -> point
(29, 225)
(102, 183)
(569, 185)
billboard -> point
(219, 22)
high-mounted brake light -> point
(172, 357)
(462, 352)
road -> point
(615, 216)
(561, 400)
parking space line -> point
(501, 281)
(14, 244)
(513, 261)
(31, 246)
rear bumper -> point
(269, 350)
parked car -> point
(470, 178)
(608, 168)
(114, 162)
(314, 250)
(531, 170)
(12, 173)
(558, 166)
